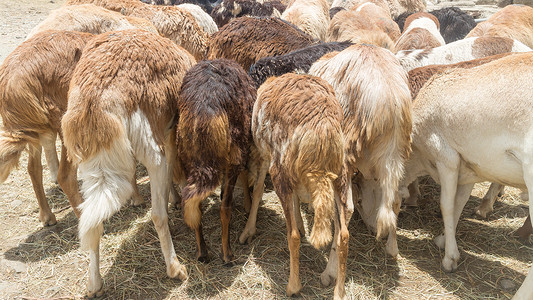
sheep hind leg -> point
(160, 175)
(487, 204)
(136, 198)
(35, 169)
(225, 213)
(526, 289)
(201, 248)
(414, 194)
(336, 267)
(246, 198)
(259, 187)
(49, 145)
(68, 181)
(298, 214)
(95, 282)
(293, 236)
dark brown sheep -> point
(248, 39)
(214, 137)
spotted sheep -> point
(462, 50)
(421, 32)
(512, 21)
(455, 24)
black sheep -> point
(297, 60)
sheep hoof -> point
(325, 279)
(449, 264)
(228, 260)
(97, 294)
(95, 288)
(177, 270)
(246, 236)
(137, 201)
(294, 290)
(440, 241)
(482, 212)
(48, 220)
(203, 258)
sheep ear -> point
(77, 55)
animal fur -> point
(297, 129)
(202, 18)
(369, 25)
(459, 119)
(455, 24)
(353, 4)
(248, 39)
(463, 50)
(512, 21)
(34, 81)
(214, 136)
(373, 91)
(206, 5)
(421, 32)
(122, 106)
(89, 18)
(311, 16)
(419, 76)
(228, 10)
(171, 22)
(296, 61)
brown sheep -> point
(367, 24)
(248, 39)
(513, 21)
(122, 106)
(214, 137)
(172, 22)
(34, 81)
(296, 125)
(311, 16)
(372, 88)
(421, 32)
(90, 18)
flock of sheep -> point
(344, 104)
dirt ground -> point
(46, 263)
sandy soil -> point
(46, 263)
